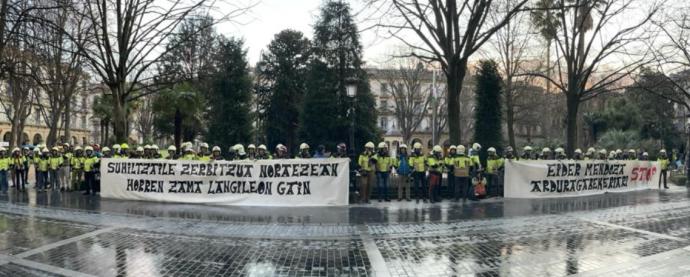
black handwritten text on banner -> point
(313, 182)
(536, 179)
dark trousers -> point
(54, 179)
(90, 180)
(20, 178)
(451, 184)
(663, 176)
(492, 186)
(382, 185)
(419, 185)
(41, 180)
(435, 179)
(461, 188)
(3, 180)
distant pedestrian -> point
(663, 165)
(402, 168)
(366, 171)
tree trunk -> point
(573, 103)
(14, 136)
(455, 75)
(67, 121)
(178, 129)
(548, 65)
(119, 118)
(53, 130)
(510, 119)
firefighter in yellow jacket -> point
(384, 163)
(366, 171)
(435, 164)
(90, 163)
(493, 165)
(461, 165)
(418, 164)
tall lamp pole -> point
(351, 89)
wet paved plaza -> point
(644, 233)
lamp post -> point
(351, 89)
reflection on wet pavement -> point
(643, 233)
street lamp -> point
(351, 90)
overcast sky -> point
(269, 17)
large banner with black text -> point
(541, 179)
(307, 182)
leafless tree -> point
(19, 92)
(59, 71)
(144, 118)
(450, 32)
(512, 43)
(125, 39)
(596, 46)
(408, 86)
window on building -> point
(83, 121)
(84, 101)
(384, 123)
(37, 116)
(383, 105)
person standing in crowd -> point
(449, 167)
(546, 154)
(402, 168)
(474, 157)
(107, 153)
(4, 168)
(124, 150)
(77, 168)
(493, 165)
(509, 154)
(418, 164)
(366, 171)
(612, 156)
(34, 161)
(435, 164)
(43, 167)
(251, 152)
(632, 155)
(663, 165)
(117, 151)
(645, 156)
(341, 151)
(204, 153)
(262, 153)
(383, 168)
(155, 152)
(303, 152)
(461, 172)
(590, 154)
(188, 154)
(527, 153)
(578, 155)
(241, 155)
(560, 154)
(138, 153)
(26, 152)
(321, 152)
(147, 152)
(215, 154)
(89, 163)
(56, 161)
(172, 153)
(17, 163)
(65, 172)
(602, 154)
(281, 152)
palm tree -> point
(546, 18)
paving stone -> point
(19, 234)
(19, 270)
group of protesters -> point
(68, 168)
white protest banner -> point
(298, 182)
(538, 179)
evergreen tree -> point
(283, 68)
(228, 112)
(487, 113)
(337, 59)
(178, 111)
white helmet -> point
(527, 148)
(546, 150)
(476, 146)
(369, 145)
(591, 150)
(417, 145)
(88, 148)
(632, 151)
(251, 146)
(146, 147)
(382, 145)
(402, 146)
(437, 149)
(279, 146)
(663, 151)
(560, 150)
(491, 150)
(240, 149)
(612, 154)
(302, 146)
(262, 147)
(618, 151)
(578, 151)
(116, 146)
(645, 154)
(453, 147)
(204, 145)
(216, 148)
(106, 149)
(172, 148)
(461, 149)
(140, 149)
(603, 151)
(45, 150)
(16, 149)
(2, 148)
(188, 148)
